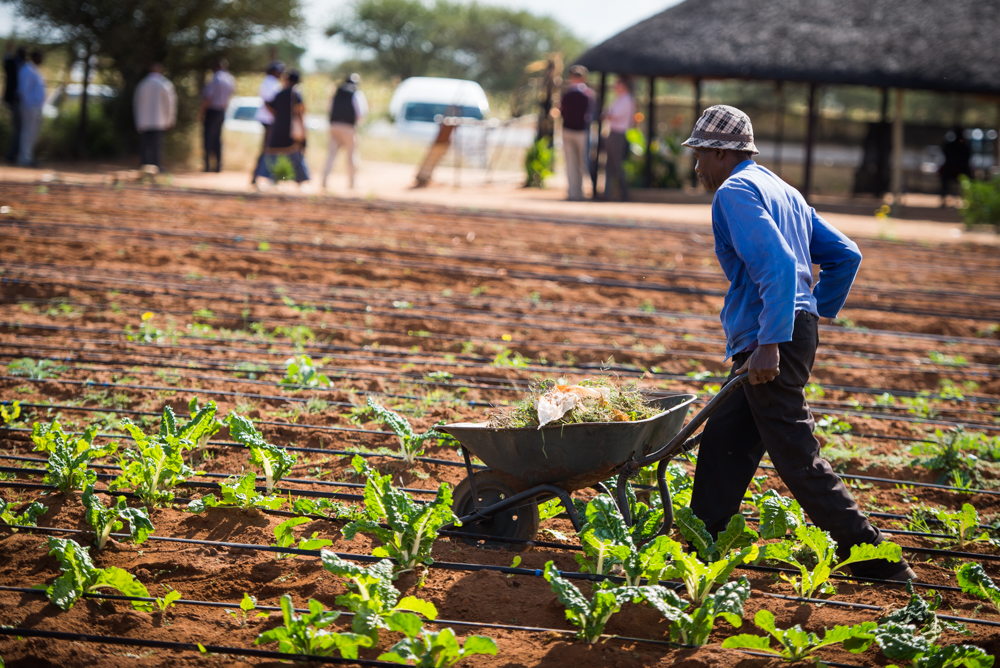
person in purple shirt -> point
(767, 239)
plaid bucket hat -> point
(723, 127)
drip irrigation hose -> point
(186, 647)
(863, 606)
(377, 256)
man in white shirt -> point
(154, 107)
(31, 92)
(620, 116)
(269, 87)
(348, 109)
(215, 99)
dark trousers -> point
(150, 143)
(774, 418)
(213, 138)
(268, 131)
(15, 136)
(614, 167)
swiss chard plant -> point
(902, 642)
(284, 537)
(737, 535)
(247, 605)
(80, 576)
(588, 616)
(325, 507)
(154, 466)
(237, 492)
(960, 527)
(734, 546)
(921, 613)
(608, 543)
(794, 644)
(274, 461)
(779, 515)
(431, 649)
(413, 527)
(69, 456)
(301, 371)
(307, 633)
(411, 444)
(28, 518)
(974, 580)
(106, 520)
(10, 414)
(372, 596)
(818, 543)
(726, 602)
(194, 433)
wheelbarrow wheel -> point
(520, 522)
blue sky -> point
(590, 19)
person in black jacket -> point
(347, 110)
(12, 62)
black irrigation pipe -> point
(478, 567)
(495, 318)
(553, 307)
(489, 218)
(914, 483)
(378, 256)
(292, 448)
(186, 647)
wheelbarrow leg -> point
(622, 493)
(668, 504)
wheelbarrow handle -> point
(676, 444)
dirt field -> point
(131, 299)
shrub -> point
(981, 202)
(538, 163)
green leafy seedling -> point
(813, 578)
(274, 461)
(169, 600)
(105, 520)
(778, 514)
(411, 444)
(431, 649)
(903, 642)
(307, 633)
(284, 537)
(588, 616)
(372, 596)
(66, 467)
(302, 371)
(413, 527)
(974, 580)
(239, 493)
(727, 602)
(154, 466)
(794, 644)
(247, 605)
(79, 577)
(28, 518)
(12, 414)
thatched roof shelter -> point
(944, 45)
(941, 45)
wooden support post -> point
(697, 115)
(810, 141)
(595, 165)
(897, 154)
(651, 131)
(779, 120)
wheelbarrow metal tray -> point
(572, 456)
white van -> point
(418, 100)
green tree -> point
(491, 45)
(185, 35)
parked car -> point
(71, 93)
(419, 101)
(242, 111)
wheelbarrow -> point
(528, 466)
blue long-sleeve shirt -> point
(31, 86)
(767, 239)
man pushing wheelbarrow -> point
(767, 238)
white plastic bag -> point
(563, 398)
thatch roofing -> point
(945, 45)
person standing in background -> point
(620, 116)
(576, 109)
(288, 135)
(957, 154)
(154, 107)
(269, 87)
(31, 93)
(215, 99)
(347, 110)
(12, 62)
